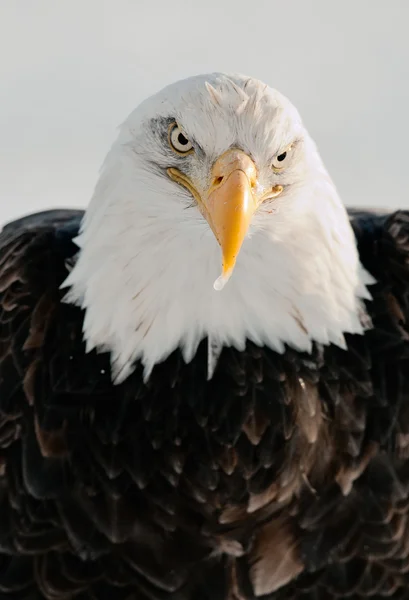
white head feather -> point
(148, 258)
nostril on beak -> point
(218, 180)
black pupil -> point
(182, 140)
(282, 156)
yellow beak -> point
(230, 205)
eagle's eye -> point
(280, 161)
(178, 141)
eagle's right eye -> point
(178, 141)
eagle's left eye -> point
(178, 141)
(280, 161)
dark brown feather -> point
(284, 477)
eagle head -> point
(215, 217)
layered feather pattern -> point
(286, 476)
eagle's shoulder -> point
(35, 255)
(383, 244)
(34, 260)
(29, 246)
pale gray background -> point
(71, 71)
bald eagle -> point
(204, 378)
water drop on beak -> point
(221, 282)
